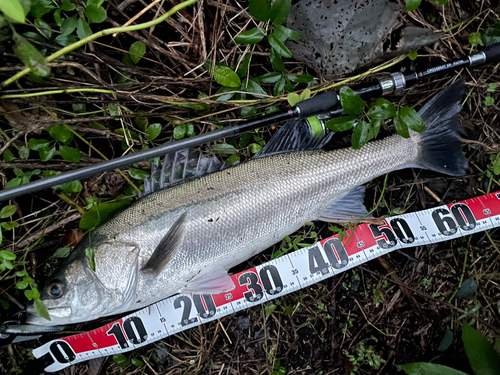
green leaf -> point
(30, 56)
(232, 159)
(70, 154)
(492, 87)
(226, 76)
(41, 309)
(90, 254)
(70, 187)
(244, 65)
(65, 40)
(489, 101)
(276, 61)
(47, 153)
(100, 213)
(67, 6)
(7, 255)
(137, 363)
(8, 156)
(43, 28)
(272, 77)
(293, 98)
(83, 29)
(491, 35)
(412, 119)
(8, 211)
(38, 144)
(14, 182)
(121, 360)
(11, 225)
(259, 9)
(69, 25)
(304, 95)
(21, 285)
(413, 55)
(374, 128)
(283, 33)
(251, 36)
(248, 111)
(303, 78)
(381, 109)
(60, 133)
(28, 294)
(468, 288)
(8, 264)
(255, 89)
(5, 304)
(279, 11)
(254, 148)
(41, 7)
(278, 45)
(137, 50)
(13, 10)
(412, 5)
(341, 124)
(483, 358)
(57, 17)
(138, 174)
(424, 368)
(153, 131)
(269, 308)
(95, 14)
(476, 39)
(446, 341)
(360, 135)
(279, 86)
(225, 97)
(351, 102)
(62, 252)
(24, 152)
(223, 149)
(180, 131)
(401, 127)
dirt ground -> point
(392, 310)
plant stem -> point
(52, 92)
(71, 202)
(91, 38)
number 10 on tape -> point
(281, 276)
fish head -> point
(89, 287)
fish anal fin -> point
(348, 209)
(167, 247)
(214, 282)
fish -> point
(184, 238)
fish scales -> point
(197, 230)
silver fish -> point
(186, 237)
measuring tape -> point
(273, 279)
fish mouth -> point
(54, 312)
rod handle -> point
(318, 104)
(492, 53)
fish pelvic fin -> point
(439, 144)
(215, 282)
(167, 247)
(349, 209)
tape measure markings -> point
(276, 278)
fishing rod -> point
(319, 104)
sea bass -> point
(186, 237)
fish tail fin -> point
(439, 145)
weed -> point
(365, 356)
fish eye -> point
(55, 290)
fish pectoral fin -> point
(348, 209)
(217, 281)
(167, 247)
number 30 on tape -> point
(284, 275)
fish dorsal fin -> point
(294, 135)
(181, 166)
(348, 209)
(213, 282)
(167, 247)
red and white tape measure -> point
(273, 279)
